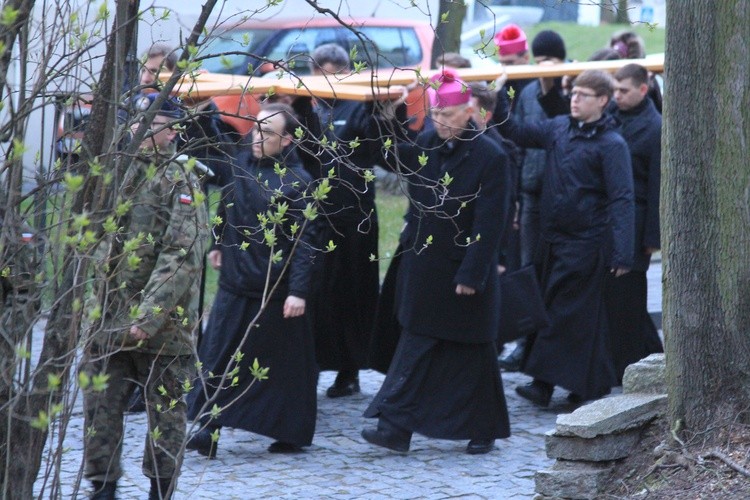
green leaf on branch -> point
(258, 372)
(53, 381)
(103, 13)
(281, 172)
(422, 158)
(73, 183)
(99, 382)
(84, 381)
(123, 208)
(8, 16)
(95, 313)
(321, 190)
(110, 225)
(310, 212)
(41, 422)
(155, 434)
(215, 411)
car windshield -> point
(220, 49)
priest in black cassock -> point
(264, 249)
(444, 380)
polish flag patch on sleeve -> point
(186, 199)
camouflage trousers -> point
(162, 378)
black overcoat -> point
(587, 218)
(284, 406)
(345, 289)
(641, 129)
(459, 201)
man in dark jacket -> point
(264, 251)
(587, 219)
(346, 285)
(632, 333)
(444, 381)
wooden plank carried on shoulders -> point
(205, 85)
(405, 76)
(373, 86)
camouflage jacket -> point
(155, 261)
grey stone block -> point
(612, 415)
(646, 376)
(582, 480)
(597, 449)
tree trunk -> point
(622, 15)
(448, 29)
(706, 211)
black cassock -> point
(444, 381)
(284, 405)
(633, 335)
(587, 227)
(345, 286)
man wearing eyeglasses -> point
(587, 219)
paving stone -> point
(579, 480)
(433, 469)
(612, 415)
(646, 376)
(602, 448)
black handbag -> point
(522, 308)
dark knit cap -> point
(548, 43)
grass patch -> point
(391, 210)
(582, 41)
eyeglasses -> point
(577, 94)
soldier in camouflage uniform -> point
(148, 312)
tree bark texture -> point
(705, 211)
(448, 33)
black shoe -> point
(136, 403)
(159, 489)
(202, 442)
(539, 393)
(282, 447)
(388, 436)
(574, 398)
(341, 388)
(480, 446)
(103, 491)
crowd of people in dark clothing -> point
(563, 178)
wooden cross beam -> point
(374, 86)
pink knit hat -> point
(511, 40)
(446, 90)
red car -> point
(252, 48)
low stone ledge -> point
(612, 415)
(580, 480)
(646, 376)
(597, 449)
